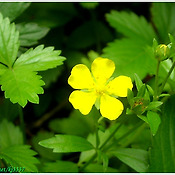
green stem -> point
(22, 124)
(166, 78)
(156, 81)
(106, 141)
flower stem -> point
(22, 125)
(156, 81)
(166, 78)
(95, 154)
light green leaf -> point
(141, 91)
(162, 152)
(60, 167)
(9, 42)
(30, 33)
(66, 143)
(13, 10)
(9, 135)
(20, 156)
(163, 18)
(3, 68)
(154, 105)
(40, 59)
(131, 25)
(137, 159)
(21, 85)
(138, 81)
(129, 56)
(154, 121)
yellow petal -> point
(119, 86)
(110, 107)
(82, 101)
(81, 77)
(102, 69)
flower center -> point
(100, 89)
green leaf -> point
(141, 91)
(137, 159)
(163, 18)
(30, 33)
(130, 95)
(85, 36)
(142, 117)
(129, 56)
(60, 167)
(97, 168)
(13, 10)
(150, 90)
(162, 152)
(3, 68)
(20, 156)
(154, 105)
(44, 152)
(40, 59)
(131, 25)
(154, 121)
(9, 42)
(66, 143)
(9, 135)
(21, 85)
(105, 162)
(89, 5)
(138, 82)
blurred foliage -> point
(122, 32)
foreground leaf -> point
(135, 158)
(21, 85)
(20, 156)
(40, 59)
(67, 143)
(9, 42)
(9, 135)
(162, 153)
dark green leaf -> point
(131, 25)
(163, 17)
(13, 9)
(9, 42)
(66, 143)
(135, 158)
(162, 153)
(30, 33)
(20, 156)
(60, 167)
(9, 135)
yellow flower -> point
(98, 87)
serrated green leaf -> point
(67, 143)
(9, 135)
(162, 152)
(138, 82)
(40, 59)
(129, 55)
(163, 18)
(20, 156)
(30, 33)
(60, 167)
(131, 25)
(154, 121)
(9, 42)
(153, 105)
(13, 10)
(21, 85)
(135, 158)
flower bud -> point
(162, 52)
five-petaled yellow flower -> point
(98, 87)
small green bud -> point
(162, 52)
